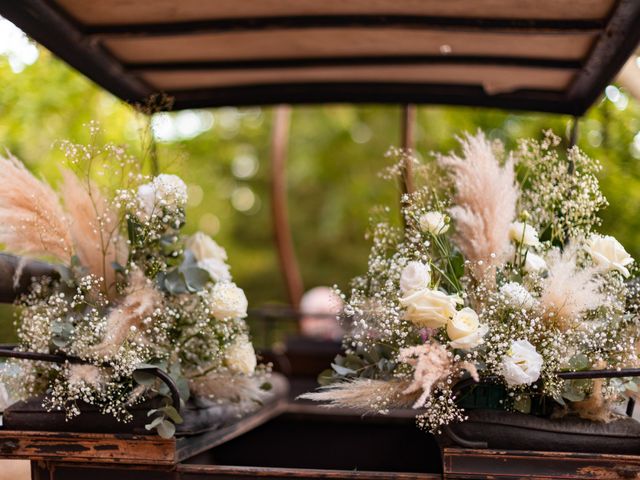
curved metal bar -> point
(463, 442)
(168, 381)
(8, 351)
(462, 385)
(280, 218)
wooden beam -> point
(221, 25)
(409, 114)
(282, 229)
(260, 63)
(605, 60)
(377, 93)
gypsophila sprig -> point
(135, 292)
(498, 275)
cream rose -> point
(429, 308)
(240, 357)
(5, 401)
(170, 190)
(522, 364)
(204, 247)
(217, 269)
(517, 295)
(609, 254)
(226, 300)
(534, 263)
(164, 191)
(415, 276)
(523, 233)
(465, 330)
(434, 222)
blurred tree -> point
(335, 155)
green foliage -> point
(335, 155)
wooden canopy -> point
(545, 55)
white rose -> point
(608, 253)
(415, 276)
(240, 357)
(517, 295)
(465, 330)
(429, 308)
(522, 363)
(203, 247)
(4, 398)
(434, 222)
(147, 200)
(165, 191)
(534, 263)
(217, 269)
(226, 301)
(525, 234)
(170, 190)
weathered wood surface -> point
(83, 447)
(124, 448)
(211, 472)
(460, 463)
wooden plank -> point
(216, 472)
(117, 12)
(313, 43)
(462, 463)
(188, 447)
(492, 78)
(83, 447)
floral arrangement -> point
(498, 275)
(133, 291)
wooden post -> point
(280, 217)
(408, 143)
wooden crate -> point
(283, 441)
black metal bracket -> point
(9, 351)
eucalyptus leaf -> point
(579, 362)
(195, 278)
(340, 370)
(154, 423)
(326, 377)
(174, 282)
(143, 378)
(173, 414)
(166, 429)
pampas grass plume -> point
(32, 222)
(485, 201)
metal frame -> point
(8, 351)
(584, 374)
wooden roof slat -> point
(546, 55)
(494, 79)
(336, 42)
(120, 12)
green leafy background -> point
(336, 153)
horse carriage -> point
(543, 56)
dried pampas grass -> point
(139, 302)
(365, 394)
(32, 222)
(93, 225)
(226, 386)
(432, 364)
(485, 201)
(568, 292)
